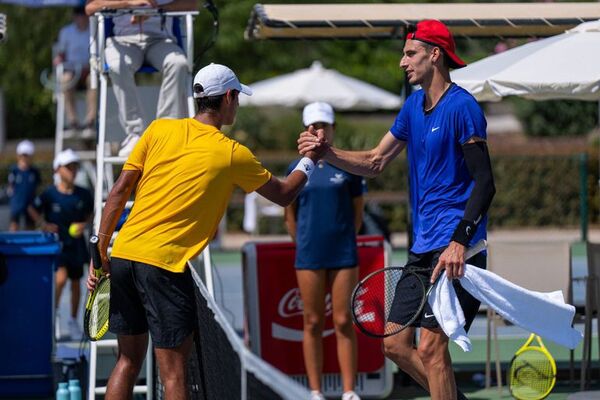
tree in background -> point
(557, 117)
(32, 31)
(26, 52)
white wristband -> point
(305, 165)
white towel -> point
(545, 314)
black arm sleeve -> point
(479, 166)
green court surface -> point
(467, 365)
(507, 347)
(560, 392)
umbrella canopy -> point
(565, 66)
(320, 84)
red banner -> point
(280, 308)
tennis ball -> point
(74, 231)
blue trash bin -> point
(27, 262)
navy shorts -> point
(21, 216)
(73, 258)
(145, 298)
(469, 304)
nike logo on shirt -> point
(428, 315)
(435, 129)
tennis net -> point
(221, 367)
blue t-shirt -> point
(24, 185)
(325, 230)
(64, 209)
(440, 183)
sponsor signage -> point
(274, 308)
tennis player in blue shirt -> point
(451, 188)
(324, 221)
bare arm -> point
(358, 203)
(290, 219)
(113, 208)
(369, 163)
(283, 192)
(35, 215)
(39, 220)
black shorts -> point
(73, 260)
(469, 304)
(147, 298)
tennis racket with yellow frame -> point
(532, 371)
(95, 320)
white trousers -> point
(125, 55)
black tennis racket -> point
(95, 320)
(403, 289)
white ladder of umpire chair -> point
(104, 162)
(88, 157)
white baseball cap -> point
(25, 147)
(318, 112)
(65, 157)
(217, 79)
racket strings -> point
(532, 375)
(377, 300)
(99, 311)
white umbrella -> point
(320, 84)
(565, 66)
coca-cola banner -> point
(274, 307)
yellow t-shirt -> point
(188, 173)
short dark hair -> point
(209, 103)
(429, 47)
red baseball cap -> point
(435, 33)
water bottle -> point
(62, 393)
(74, 389)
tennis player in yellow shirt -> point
(183, 172)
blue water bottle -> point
(62, 393)
(74, 389)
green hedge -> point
(532, 191)
(556, 117)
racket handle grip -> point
(95, 253)
(473, 250)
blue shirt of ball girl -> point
(325, 224)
